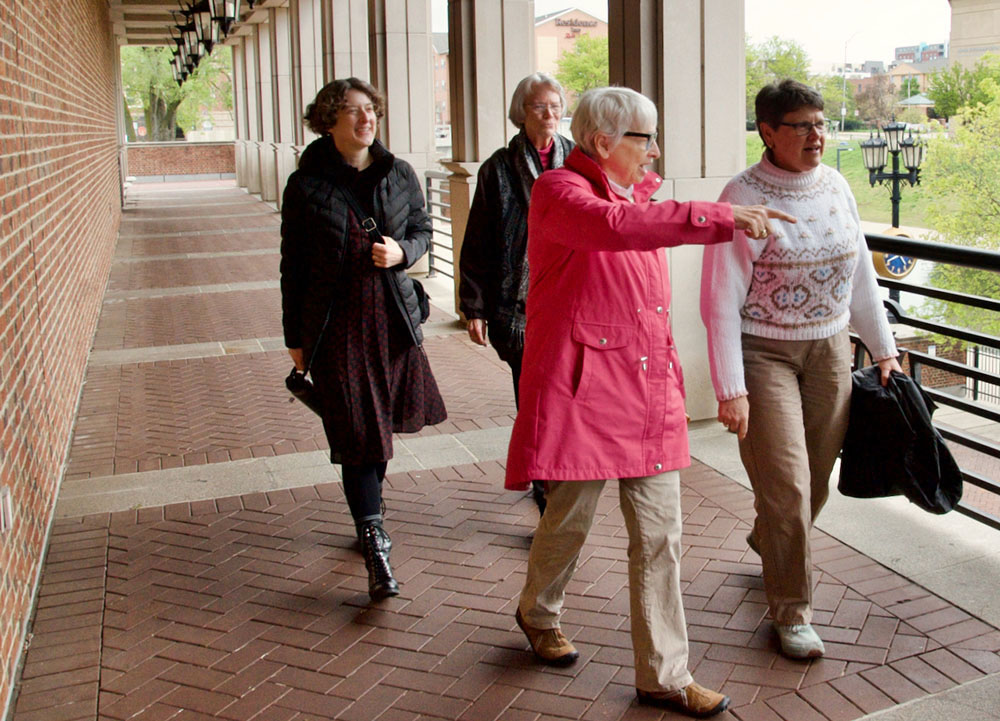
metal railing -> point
(919, 360)
(441, 257)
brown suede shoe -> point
(693, 700)
(549, 644)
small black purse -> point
(301, 388)
(304, 391)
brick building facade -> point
(181, 158)
(60, 208)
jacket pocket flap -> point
(602, 336)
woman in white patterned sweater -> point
(777, 313)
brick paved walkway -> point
(254, 607)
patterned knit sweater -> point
(804, 282)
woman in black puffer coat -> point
(368, 365)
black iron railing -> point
(976, 343)
(441, 257)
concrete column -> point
(309, 70)
(240, 111)
(283, 59)
(491, 47)
(268, 111)
(253, 116)
(689, 59)
(345, 39)
(400, 41)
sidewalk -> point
(202, 564)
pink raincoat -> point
(602, 393)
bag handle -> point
(367, 222)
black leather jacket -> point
(314, 228)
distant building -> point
(557, 32)
(873, 67)
(919, 101)
(920, 53)
(975, 30)
(900, 73)
(850, 70)
(442, 98)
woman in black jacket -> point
(349, 306)
(493, 265)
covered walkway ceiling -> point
(148, 22)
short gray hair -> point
(612, 111)
(528, 87)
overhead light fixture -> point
(225, 13)
(206, 30)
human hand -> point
(388, 253)
(754, 219)
(477, 330)
(734, 414)
(298, 358)
(886, 365)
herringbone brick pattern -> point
(255, 607)
(204, 242)
(180, 222)
(193, 271)
(150, 416)
(195, 318)
(237, 204)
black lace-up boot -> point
(375, 545)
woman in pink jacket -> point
(602, 395)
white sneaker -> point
(800, 641)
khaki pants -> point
(799, 395)
(652, 511)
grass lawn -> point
(873, 203)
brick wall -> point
(59, 217)
(181, 158)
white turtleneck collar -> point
(787, 178)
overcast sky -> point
(871, 29)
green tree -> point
(963, 173)
(958, 87)
(170, 110)
(950, 90)
(585, 66)
(909, 87)
(835, 93)
(773, 59)
(876, 100)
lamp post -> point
(843, 90)
(874, 151)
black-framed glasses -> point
(803, 128)
(650, 137)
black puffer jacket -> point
(314, 227)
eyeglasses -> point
(804, 128)
(650, 137)
(540, 108)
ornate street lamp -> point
(874, 152)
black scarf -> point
(524, 165)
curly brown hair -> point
(321, 115)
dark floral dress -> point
(373, 380)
